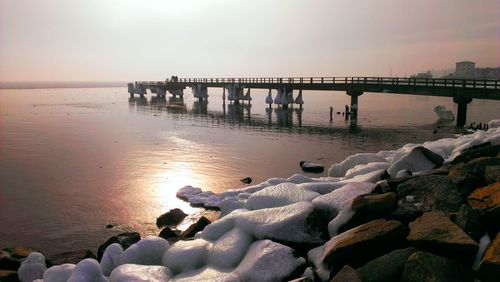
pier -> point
(462, 91)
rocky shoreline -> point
(428, 212)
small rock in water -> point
(246, 180)
(109, 226)
(170, 218)
(311, 167)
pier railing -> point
(429, 82)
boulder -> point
(196, 227)
(269, 261)
(426, 267)
(359, 245)
(8, 276)
(492, 174)
(170, 218)
(419, 159)
(312, 167)
(124, 239)
(8, 263)
(20, 252)
(489, 268)
(388, 267)
(168, 234)
(434, 232)
(432, 192)
(369, 207)
(32, 267)
(482, 150)
(470, 221)
(406, 212)
(135, 272)
(346, 274)
(471, 175)
(486, 201)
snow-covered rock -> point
(419, 159)
(111, 258)
(135, 272)
(185, 256)
(148, 251)
(337, 204)
(279, 195)
(87, 270)
(268, 261)
(229, 249)
(340, 169)
(59, 273)
(362, 169)
(32, 267)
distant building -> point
(426, 74)
(467, 69)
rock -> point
(492, 174)
(135, 272)
(434, 232)
(482, 150)
(269, 261)
(71, 257)
(196, 227)
(124, 239)
(489, 268)
(246, 180)
(312, 167)
(8, 276)
(426, 267)
(469, 220)
(109, 226)
(20, 252)
(432, 192)
(406, 212)
(370, 207)
(8, 263)
(471, 175)
(346, 274)
(168, 233)
(32, 267)
(359, 245)
(419, 159)
(388, 267)
(486, 201)
(170, 218)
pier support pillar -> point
(354, 101)
(462, 109)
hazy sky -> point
(151, 39)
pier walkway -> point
(461, 90)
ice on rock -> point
(322, 187)
(337, 204)
(217, 229)
(299, 178)
(484, 242)
(230, 204)
(415, 161)
(279, 195)
(494, 123)
(148, 251)
(292, 223)
(268, 261)
(467, 141)
(371, 177)
(186, 256)
(59, 273)
(403, 173)
(187, 192)
(87, 270)
(339, 170)
(135, 272)
(111, 258)
(315, 257)
(32, 267)
(229, 250)
(494, 137)
(206, 274)
(366, 168)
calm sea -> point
(74, 160)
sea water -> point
(73, 160)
